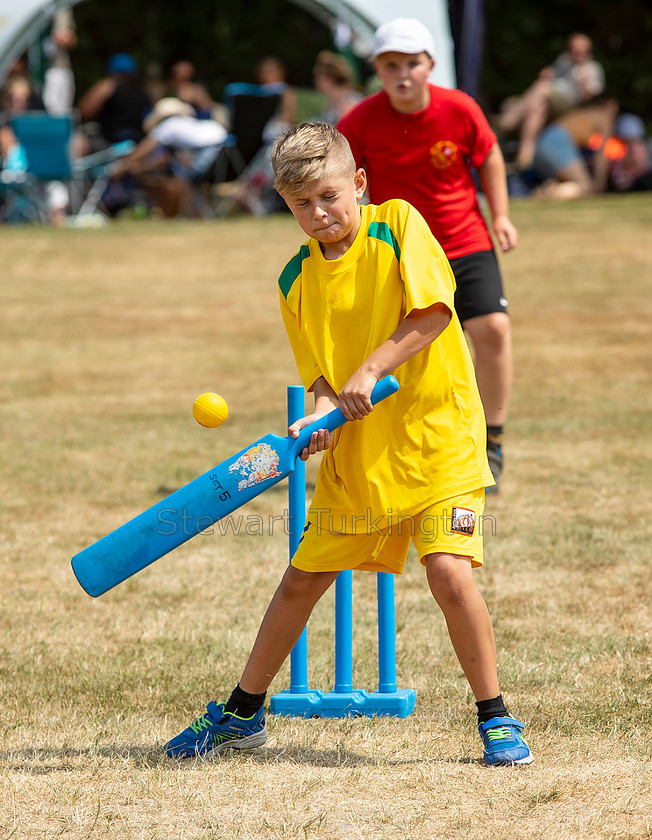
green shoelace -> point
(499, 733)
(200, 724)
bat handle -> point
(384, 388)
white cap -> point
(404, 35)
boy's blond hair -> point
(306, 153)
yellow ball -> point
(210, 410)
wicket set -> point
(344, 700)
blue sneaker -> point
(218, 731)
(503, 742)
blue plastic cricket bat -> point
(198, 505)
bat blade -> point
(182, 515)
(198, 505)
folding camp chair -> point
(245, 158)
(46, 158)
(93, 173)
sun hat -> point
(404, 35)
(169, 106)
(122, 63)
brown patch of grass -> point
(107, 337)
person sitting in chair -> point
(15, 100)
(183, 85)
(177, 148)
(270, 74)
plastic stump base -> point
(338, 704)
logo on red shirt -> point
(443, 154)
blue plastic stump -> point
(299, 692)
(343, 700)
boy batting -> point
(420, 142)
(371, 293)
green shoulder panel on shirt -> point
(382, 231)
(292, 270)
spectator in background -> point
(14, 100)
(183, 85)
(334, 79)
(629, 156)
(570, 153)
(20, 70)
(270, 72)
(117, 103)
(59, 82)
(177, 148)
(573, 80)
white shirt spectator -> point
(188, 133)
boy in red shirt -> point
(420, 142)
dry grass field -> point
(107, 336)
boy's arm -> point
(494, 184)
(417, 330)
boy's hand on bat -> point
(319, 441)
(355, 396)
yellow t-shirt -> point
(425, 443)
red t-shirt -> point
(426, 159)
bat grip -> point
(384, 388)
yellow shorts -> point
(452, 526)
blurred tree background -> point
(226, 39)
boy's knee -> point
(449, 577)
(491, 330)
(298, 584)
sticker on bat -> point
(255, 465)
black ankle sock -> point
(495, 434)
(488, 709)
(243, 704)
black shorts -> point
(479, 285)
